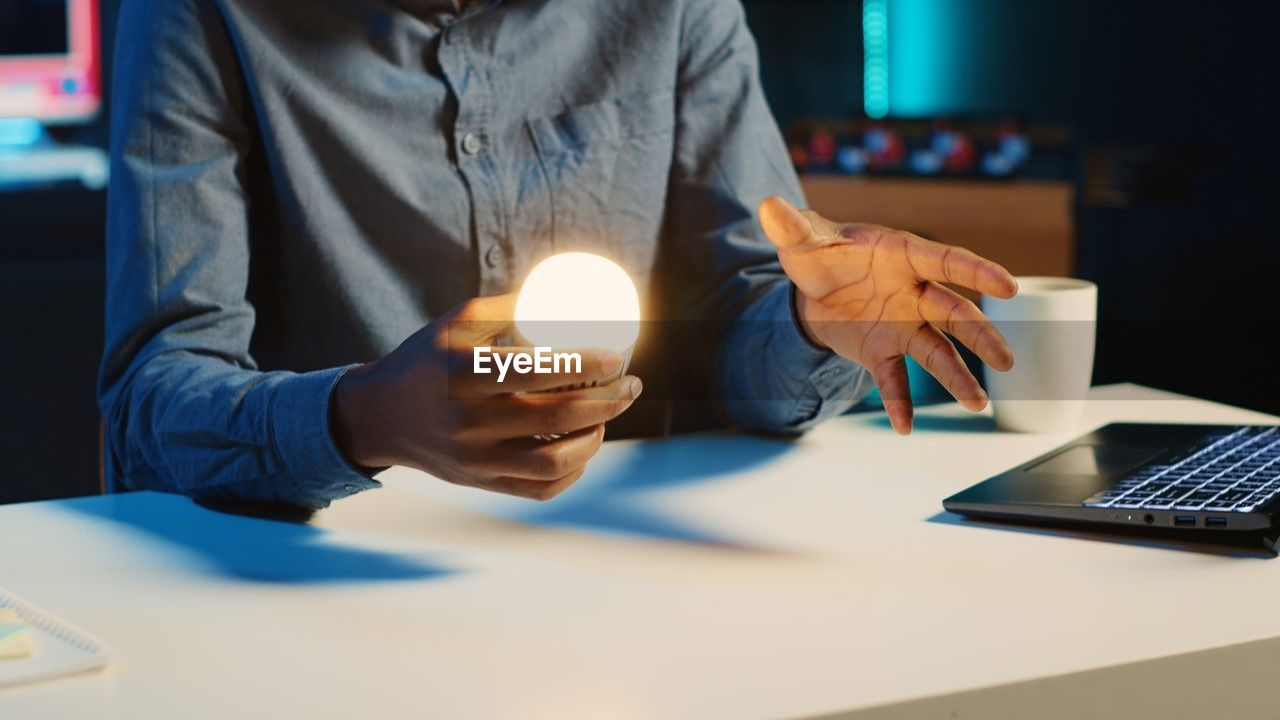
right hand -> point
(421, 406)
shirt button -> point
(472, 144)
(493, 257)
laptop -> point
(1213, 478)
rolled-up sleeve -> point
(729, 157)
(184, 406)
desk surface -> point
(704, 576)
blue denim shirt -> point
(299, 186)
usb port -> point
(1215, 522)
(1184, 520)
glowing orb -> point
(579, 300)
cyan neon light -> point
(19, 132)
(935, 50)
(875, 67)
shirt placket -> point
(470, 80)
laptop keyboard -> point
(1233, 472)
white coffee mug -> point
(1052, 326)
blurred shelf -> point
(50, 165)
(1027, 226)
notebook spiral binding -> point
(93, 652)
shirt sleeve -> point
(773, 378)
(729, 157)
(184, 405)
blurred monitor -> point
(49, 60)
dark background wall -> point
(51, 303)
(1173, 102)
(1174, 105)
(810, 56)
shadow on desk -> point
(618, 497)
(256, 549)
(944, 423)
(1245, 545)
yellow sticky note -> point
(14, 640)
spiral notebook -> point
(56, 648)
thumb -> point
(783, 223)
(482, 319)
(792, 229)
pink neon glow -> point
(43, 94)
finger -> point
(958, 266)
(890, 375)
(792, 229)
(531, 489)
(534, 459)
(484, 371)
(480, 321)
(957, 316)
(547, 413)
(489, 308)
(935, 353)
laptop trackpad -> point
(1097, 460)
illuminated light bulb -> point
(577, 300)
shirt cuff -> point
(304, 443)
(794, 347)
(831, 377)
(772, 377)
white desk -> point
(700, 577)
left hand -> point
(874, 295)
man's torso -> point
(405, 160)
